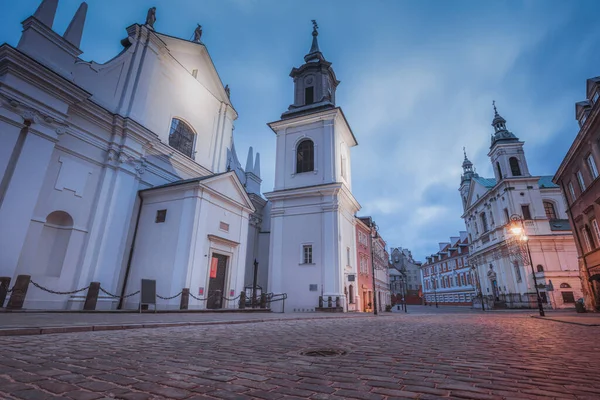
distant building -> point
(489, 203)
(447, 276)
(364, 287)
(410, 277)
(578, 178)
(376, 258)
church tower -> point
(506, 151)
(312, 249)
(465, 179)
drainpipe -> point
(137, 223)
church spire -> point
(467, 166)
(314, 53)
(500, 131)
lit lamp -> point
(516, 228)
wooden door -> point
(216, 283)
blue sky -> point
(418, 79)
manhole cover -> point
(323, 352)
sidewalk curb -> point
(564, 322)
(97, 328)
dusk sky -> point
(417, 83)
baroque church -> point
(127, 170)
(503, 272)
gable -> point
(476, 190)
(228, 185)
(194, 56)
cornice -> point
(13, 61)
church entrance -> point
(216, 283)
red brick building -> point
(364, 288)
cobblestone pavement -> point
(423, 355)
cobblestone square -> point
(422, 355)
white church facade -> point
(503, 272)
(120, 171)
(127, 170)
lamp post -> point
(434, 284)
(373, 235)
(404, 292)
(478, 285)
(517, 228)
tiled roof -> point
(546, 182)
(486, 182)
(543, 182)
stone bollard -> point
(320, 301)
(185, 299)
(338, 303)
(329, 302)
(17, 297)
(263, 300)
(242, 300)
(4, 286)
(91, 297)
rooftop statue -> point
(198, 33)
(151, 17)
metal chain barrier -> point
(169, 298)
(200, 299)
(37, 285)
(115, 296)
(228, 299)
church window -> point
(572, 191)
(517, 271)
(484, 223)
(550, 210)
(580, 180)
(181, 137)
(499, 170)
(565, 286)
(309, 95)
(568, 297)
(514, 166)
(307, 254)
(592, 166)
(526, 212)
(305, 156)
(540, 268)
(161, 216)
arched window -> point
(484, 223)
(351, 294)
(550, 210)
(565, 286)
(181, 137)
(499, 170)
(540, 268)
(514, 166)
(53, 243)
(305, 156)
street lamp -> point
(517, 228)
(478, 285)
(374, 229)
(433, 283)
